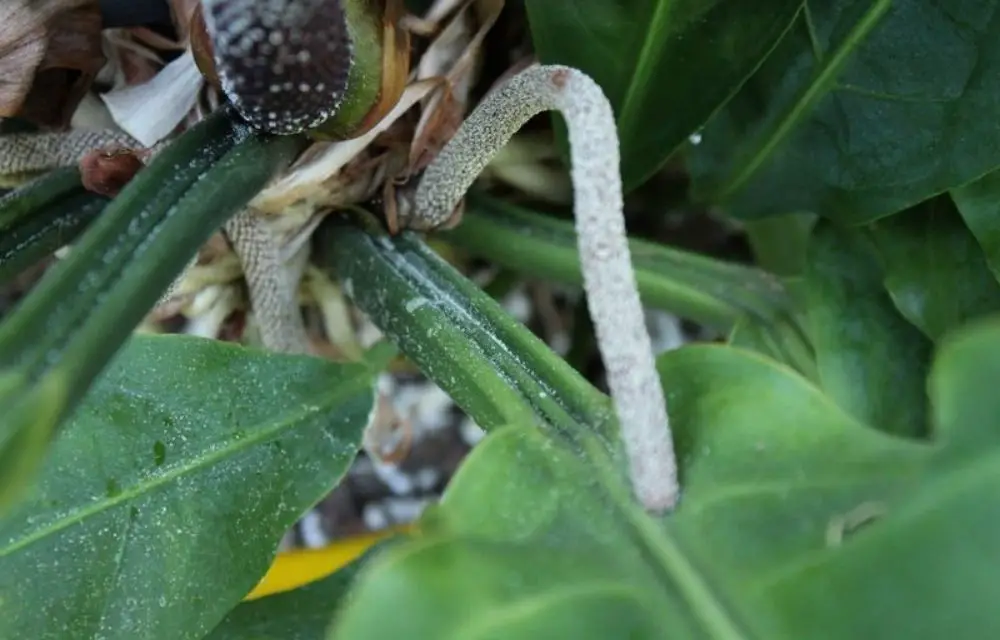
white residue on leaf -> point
(415, 303)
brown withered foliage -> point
(107, 171)
(50, 53)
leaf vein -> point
(207, 459)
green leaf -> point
(63, 333)
(490, 364)
(793, 501)
(797, 521)
(786, 343)
(869, 359)
(526, 536)
(163, 500)
(770, 466)
(665, 65)
(779, 243)
(862, 111)
(301, 614)
(527, 529)
(708, 291)
(46, 231)
(907, 574)
(979, 205)
(934, 270)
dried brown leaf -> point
(50, 53)
(452, 56)
(107, 171)
(389, 436)
(431, 21)
(182, 12)
(395, 66)
(317, 182)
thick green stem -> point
(42, 216)
(495, 369)
(708, 291)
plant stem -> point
(609, 280)
(708, 291)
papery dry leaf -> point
(214, 249)
(432, 19)
(129, 62)
(154, 40)
(389, 436)
(309, 181)
(210, 310)
(335, 313)
(183, 12)
(453, 56)
(395, 66)
(234, 326)
(22, 47)
(137, 68)
(151, 111)
(91, 114)
(50, 53)
(201, 47)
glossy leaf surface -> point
(788, 508)
(665, 65)
(866, 108)
(162, 502)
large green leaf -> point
(529, 532)
(162, 501)
(836, 530)
(666, 65)
(797, 521)
(785, 342)
(528, 544)
(779, 243)
(863, 110)
(926, 569)
(979, 205)
(869, 359)
(934, 269)
(64, 332)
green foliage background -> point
(839, 453)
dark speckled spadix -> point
(284, 64)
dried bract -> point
(50, 53)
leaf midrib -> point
(645, 62)
(823, 79)
(949, 481)
(673, 564)
(494, 620)
(196, 464)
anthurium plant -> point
(821, 466)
